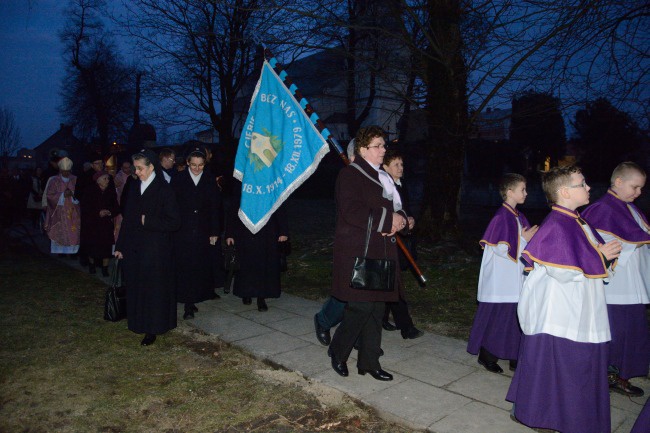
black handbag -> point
(284, 248)
(115, 301)
(373, 274)
(231, 264)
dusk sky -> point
(31, 65)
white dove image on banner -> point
(278, 150)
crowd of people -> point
(564, 302)
(164, 219)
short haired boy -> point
(561, 378)
(495, 332)
(616, 217)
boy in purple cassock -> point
(561, 378)
(495, 333)
(616, 217)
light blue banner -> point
(278, 150)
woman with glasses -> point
(359, 195)
(198, 200)
(145, 244)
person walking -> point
(198, 200)
(151, 215)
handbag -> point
(284, 248)
(115, 300)
(373, 274)
(231, 264)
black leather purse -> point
(231, 264)
(373, 274)
(115, 300)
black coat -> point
(147, 251)
(357, 195)
(199, 209)
(258, 254)
(97, 233)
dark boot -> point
(261, 305)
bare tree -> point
(9, 134)
(98, 88)
(200, 55)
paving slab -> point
(434, 371)
(274, 342)
(307, 360)
(416, 403)
(486, 387)
(477, 417)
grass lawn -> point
(65, 369)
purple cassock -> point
(503, 229)
(563, 244)
(629, 349)
(642, 424)
(561, 384)
(612, 215)
(495, 326)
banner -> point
(279, 149)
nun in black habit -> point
(258, 254)
(198, 201)
(145, 245)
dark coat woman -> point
(198, 204)
(98, 209)
(258, 254)
(151, 216)
(359, 193)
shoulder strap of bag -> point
(366, 174)
(365, 251)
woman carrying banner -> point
(359, 193)
(258, 254)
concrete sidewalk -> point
(437, 386)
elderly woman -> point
(360, 193)
(98, 209)
(198, 199)
(62, 214)
(145, 244)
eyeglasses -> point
(580, 185)
(379, 146)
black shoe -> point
(490, 366)
(341, 368)
(105, 271)
(412, 333)
(148, 340)
(215, 295)
(512, 365)
(188, 315)
(261, 305)
(247, 301)
(378, 374)
(322, 335)
(91, 269)
(623, 386)
(196, 310)
(388, 326)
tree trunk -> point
(446, 107)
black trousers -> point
(401, 314)
(361, 320)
